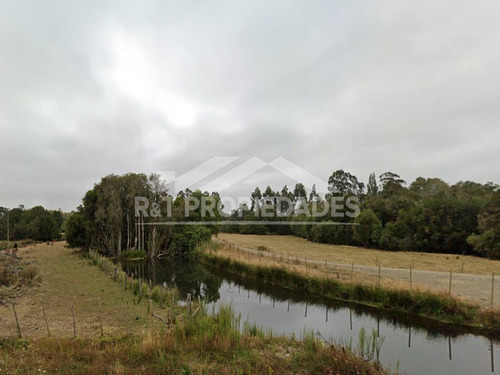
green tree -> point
(372, 187)
(299, 192)
(77, 231)
(256, 200)
(368, 230)
(487, 242)
(429, 187)
(391, 183)
(342, 183)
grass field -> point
(299, 247)
(65, 279)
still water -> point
(414, 346)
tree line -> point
(107, 220)
(36, 223)
(426, 215)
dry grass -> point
(67, 278)
(205, 344)
(309, 269)
(299, 247)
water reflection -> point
(420, 346)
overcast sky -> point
(91, 88)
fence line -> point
(476, 288)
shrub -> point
(29, 275)
(133, 254)
(6, 276)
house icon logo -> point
(237, 173)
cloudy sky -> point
(91, 88)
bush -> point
(6, 276)
(29, 275)
(133, 254)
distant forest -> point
(427, 215)
(36, 223)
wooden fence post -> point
(379, 275)
(99, 316)
(173, 303)
(189, 304)
(492, 287)
(150, 315)
(73, 315)
(451, 277)
(45, 317)
(411, 278)
(17, 322)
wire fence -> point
(474, 288)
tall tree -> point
(342, 183)
(372, 187)
(391, 183)
(314, 196)
(256, 199)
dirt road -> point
(471, 287)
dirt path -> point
(66, 278)
(471, 287)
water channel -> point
(414, 346)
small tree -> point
(77, 231)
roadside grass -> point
(204, 344)
(437, 306)
(301, 248)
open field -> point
(299, 247)
(471, 277)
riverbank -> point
(206, 345)
(440, 307)
(117, 332)
(468, 278)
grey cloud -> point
(410, 87)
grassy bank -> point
(201, 343)
(426, 304)
(205, 344)
(117, 334)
